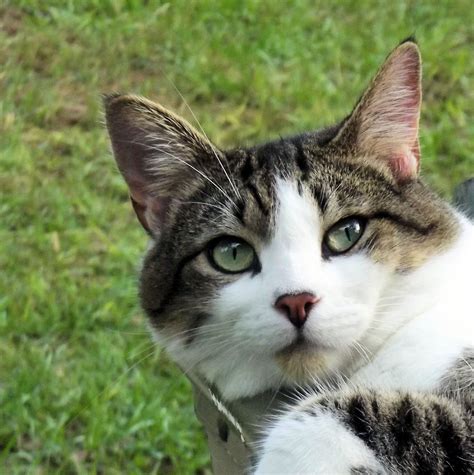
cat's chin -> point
(302, 360)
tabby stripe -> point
(451, 443)
(239, 211)
(344, 168)
(369, 242)
(194, 326)
(300, 187)
(247, 170)
(375, 407)
(156, 312)
(301, 160)
(321, 198)
(357, 411)
(258, 199)
(262, 157)
(403, 426)
(423, 230)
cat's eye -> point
(232, 255)
(343, 235)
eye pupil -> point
(348, 234)
(234, 252)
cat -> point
(319, 260)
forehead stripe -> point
(321, 197)
(247, 169)
(301, 160)
(239, 211)
(258, 199)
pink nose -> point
(296, 307)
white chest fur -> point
(434, 310)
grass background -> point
(81, 390)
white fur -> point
(316, 444)
(432, 316)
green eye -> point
(232, 255)
(343, 235)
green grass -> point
(80, 389)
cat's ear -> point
(156, 152)
(384, 124)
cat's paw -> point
(315, 442)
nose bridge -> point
(300, 269)
(292, 259)
(290, 271)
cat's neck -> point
(443, 283)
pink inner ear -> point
(152, 215)
(405, 164)
(140, 212)
(150, 210)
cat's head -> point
(268, 264)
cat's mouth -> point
(301, 346)
(301, 343)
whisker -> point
(211, 205)
(232, 184)
(202, 174)
(362, 350)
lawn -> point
(81, 389)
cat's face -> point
(270, 265)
